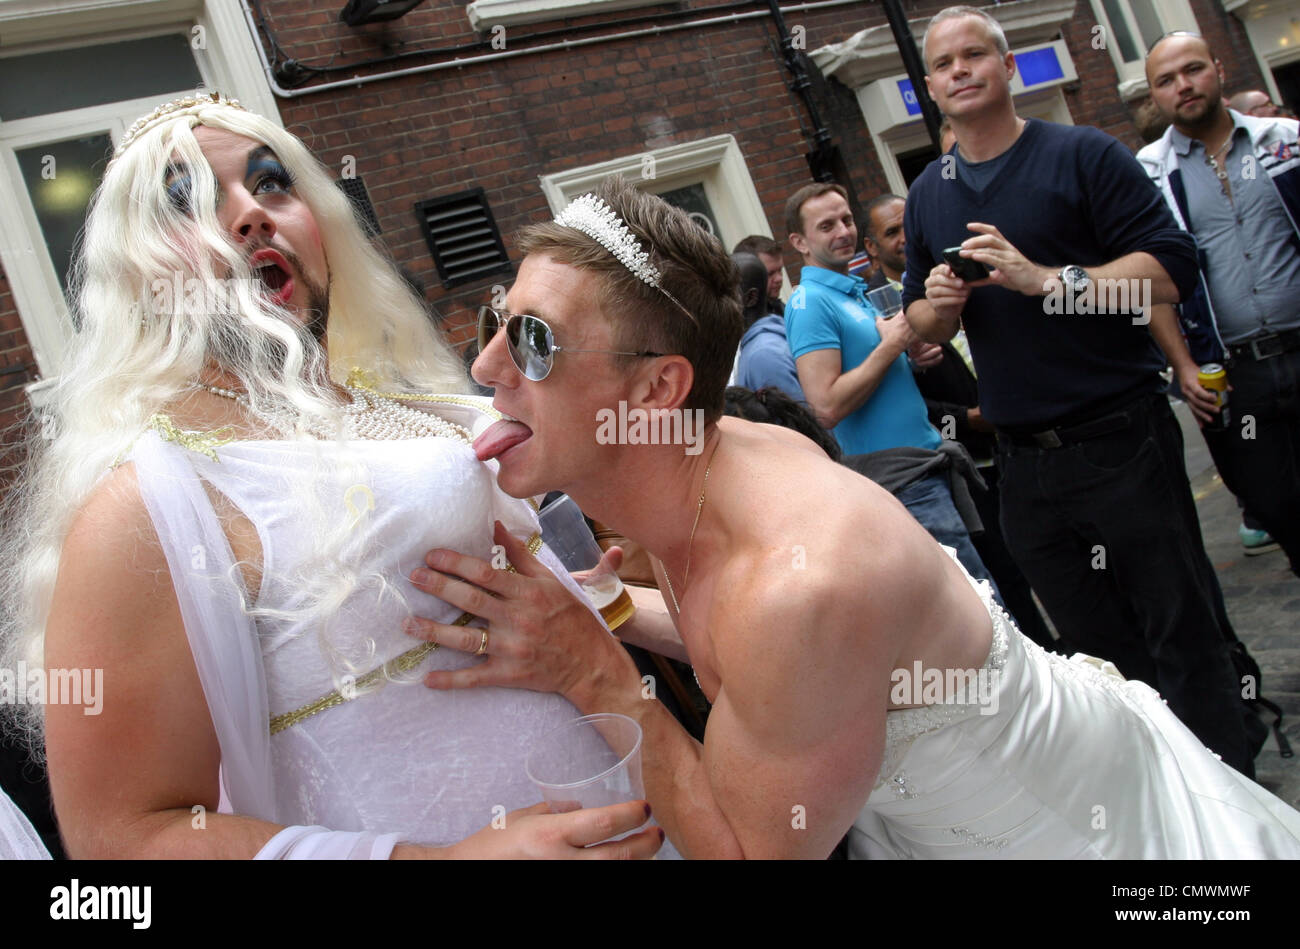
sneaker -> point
(1255, 542)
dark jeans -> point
(929, 500)
(1264, 470)
(1011, 581)
(1107, 533)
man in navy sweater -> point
(1096, 505)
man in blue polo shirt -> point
(853, 368)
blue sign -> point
(909, 97)
(1039, 66)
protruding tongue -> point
(499, 437)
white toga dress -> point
(404, 761)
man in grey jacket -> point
(1233, 181)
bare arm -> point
(1164, 328)
(835, 392)
(652, 628)
(126, 781)
(794, 739)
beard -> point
(316, 316)
(233, 345)
(1207, 111)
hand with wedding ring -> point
(539, 636)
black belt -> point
(1267, 346)
(1071, 434)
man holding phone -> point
(1096, 506)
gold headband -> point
(186, 105)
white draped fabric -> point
(400, 763)
(18, 838)
(1068, 760)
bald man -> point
(1233, 180)
(1256, 103)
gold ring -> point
(482, 646)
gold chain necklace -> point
(690, 544)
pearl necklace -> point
(371, 417)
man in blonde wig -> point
(225, 529)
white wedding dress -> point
(1076, 762)
(402, 762)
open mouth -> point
(272, 270)
(500, 437)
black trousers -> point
(1107, 533)
(1258, 451)
(1011, 581)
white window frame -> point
(229, 63)
(1173, 15)
(716, 163)
(485, 14)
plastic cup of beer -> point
(887, 300)
(591, 761)
(565, 531)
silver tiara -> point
(598, 221)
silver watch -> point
(1075, 279)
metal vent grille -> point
(355, 189)
(462, 236)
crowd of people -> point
(305, 557)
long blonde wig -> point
(138, 348)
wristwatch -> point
(1075, 279)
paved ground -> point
(1263, 598)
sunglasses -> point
(530, 342)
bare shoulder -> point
(114, 611)
(111, 564)
(113, 515)
(740, 428)
(828, 573)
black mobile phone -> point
(964, 267)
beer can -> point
(1214, 377)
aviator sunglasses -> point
(531, 342)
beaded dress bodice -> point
(345, 525)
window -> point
(1129, 27)
(706, 178)
(71, 81)
(486, 14)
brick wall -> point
(500, 125)
(17, 368)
